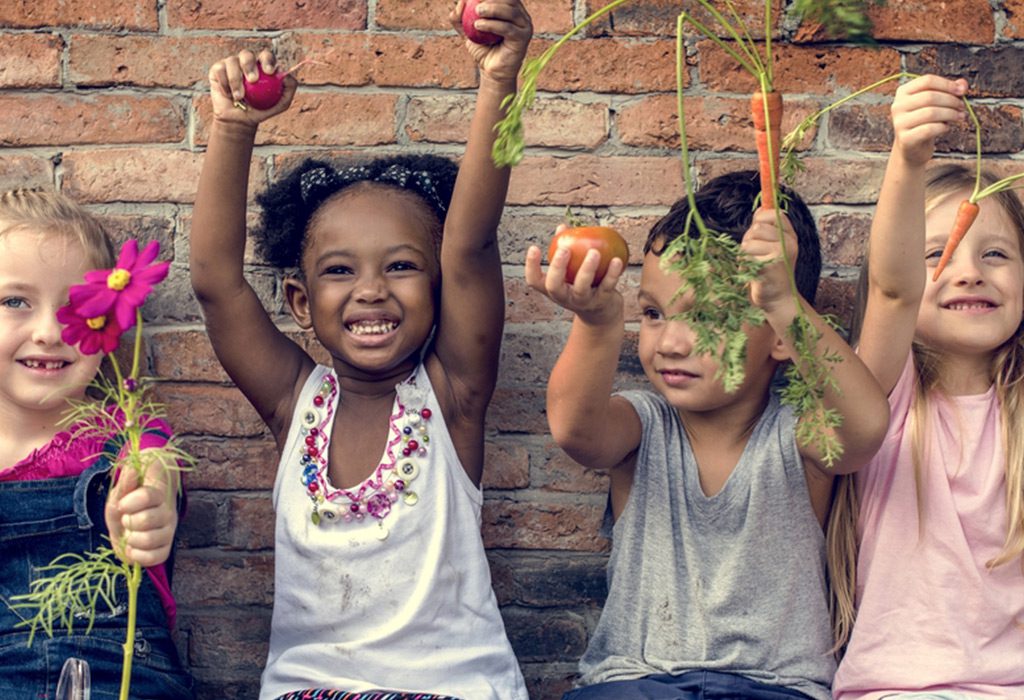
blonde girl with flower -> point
(55, 476)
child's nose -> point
(371, 287)
(966, 271)
(47, 330)
(676, 339)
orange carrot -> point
(965, 216)
(765, 133)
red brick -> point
(560, 473)
(527, 356)
(555, 123)
(1013, 10)
(211, 410)
(32, 120)
(658, 17)
(549, 16)
(836, 298)
(321, 119)
(609, 65)
(141, 227)
(205, 578)
(712, 123)
(869, 128)
(134, 175)
(989, 71)
(185, 355)
(250, 522)
(230, 641)
(596, 181)
(518, 411)
(381, 59)
(224, 464)
(506, 464)
(825, 180)
(25, 171)
(147, 61)
(267, 14)
(30, 60)
(831, 71)
(532, 525)
(97, 14)
(965, 21)
(844, 237)
(523, 305)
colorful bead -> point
(318, 401)
(426, 413)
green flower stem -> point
(129, 642)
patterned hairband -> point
(332, 180)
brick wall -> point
(106, 100)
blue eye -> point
(14, 303)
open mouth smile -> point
(365, 328)
(45, 364)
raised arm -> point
(921, 112)
(858, 399)
(472, 308)
(595, 429)
(264, 364)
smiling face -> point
(667, 353)
(38, 371)
(370, 276)
(978, 301)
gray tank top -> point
(733, 583)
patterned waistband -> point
(328, 694)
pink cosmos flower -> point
(91, 335)
(118, 292)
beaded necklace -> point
(379, 493)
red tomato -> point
(606, 241)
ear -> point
(298, 302)
(779, 350)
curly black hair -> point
(289, 205)
(726, 203)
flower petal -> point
(148, 254)
(128, 255)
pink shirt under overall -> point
(65, 456)
(930, 614)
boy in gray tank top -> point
(717, 575)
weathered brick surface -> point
(30, 60)
(37, 120)
(106, 99)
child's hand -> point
(227, 89)
(509, 20)
(142, 519)
(594, 305)
(761, 242)
(922, 111)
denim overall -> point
(40, 520)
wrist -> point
(234, 130)
(499, 87)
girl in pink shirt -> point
(939, 513)
(55, 493)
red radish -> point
(269, 87)
(605, 240)
(965, 216)
(469, 18)
(767, 130)
(266, 91)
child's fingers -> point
(506, 19)
(247, 64)
(267, 61)
(931, 82)
(554, 282)
(584, 279)
(611, 277)
(148, 548)
(532, 272)
(455, 16)
(220, 82)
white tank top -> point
(386, 586)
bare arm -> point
(264, 364)
(595, 429)
(922, 111)
(858, 399)
(469, 334)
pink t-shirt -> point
(70, 453)
(930, 614)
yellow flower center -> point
(118, 279)
(96, 323)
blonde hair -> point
(46, 211)
(1006, 373)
